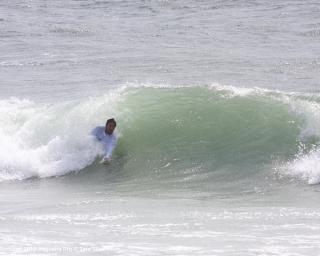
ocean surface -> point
(218, 110)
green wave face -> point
(188, 134)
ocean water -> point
(218, 112)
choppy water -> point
(218, 111)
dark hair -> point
(111, 120)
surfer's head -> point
(110, 126)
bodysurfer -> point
(106, 136)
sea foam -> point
(42, 140)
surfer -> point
(106, 136)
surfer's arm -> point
(110, 148)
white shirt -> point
(109, 141)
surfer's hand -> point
(106, 159)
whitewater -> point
(217, 106)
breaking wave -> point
(171, 133)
